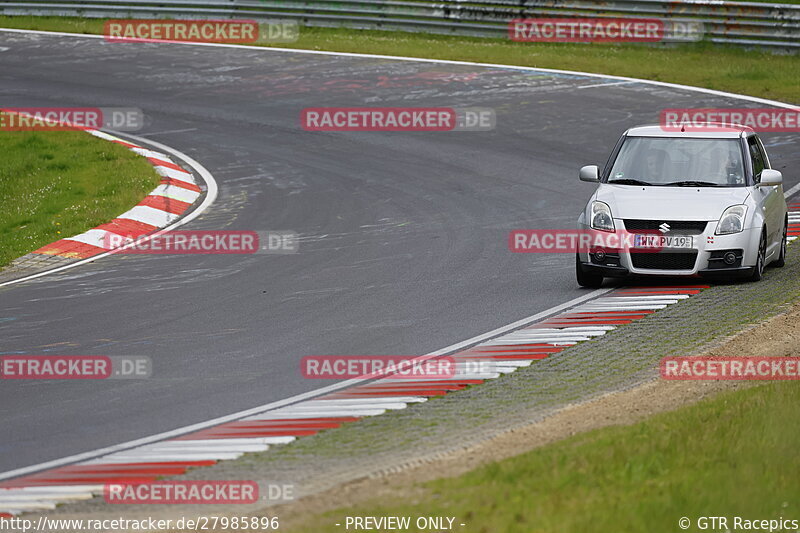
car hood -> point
(670, 203)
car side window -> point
(756, 157)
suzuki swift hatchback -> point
(704, 202)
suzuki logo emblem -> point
(664, 228)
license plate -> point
(663, 241)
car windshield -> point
(679, 162)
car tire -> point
(781, 260)
(758, 272)
(586, 279)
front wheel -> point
(586, 279)
(758, 273)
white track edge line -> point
(794, 190)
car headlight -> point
(601, 217)
(732, 220)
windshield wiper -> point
(692, 184)
(629, 181)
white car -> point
(705, 202)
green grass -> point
(55, 184)
(735, 454)
(726, 68)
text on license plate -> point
(663, 241)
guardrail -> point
(740, 23)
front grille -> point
(681, 227)
(665, 260)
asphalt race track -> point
(404, 235)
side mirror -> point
(590, 173)
(769, 178)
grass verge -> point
(725, 68)
(735, 452)
(56, 184)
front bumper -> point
(728, 273)
(709, 249)
(605, 270)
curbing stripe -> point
(70, 249)
(94, 237)
(127, 227)
(176, 193)
(146, 152)
(182, 184)
(163, 203)
(163, 163)
(149, 215)
(180, 175)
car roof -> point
(708, 130)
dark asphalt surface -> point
(404, 234)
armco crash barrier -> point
(740, 23)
